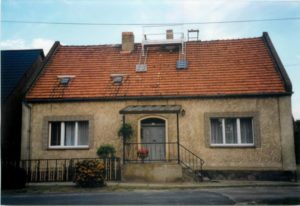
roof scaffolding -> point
(154, 39)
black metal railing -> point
(192, 162)
(61, 170)
(165, 152)
(157, 151)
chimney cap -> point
(127, 33)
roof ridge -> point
(139, 43)
(20, 50)
(232, 39)
(93, 45)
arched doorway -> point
(153, 137)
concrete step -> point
(152, 172)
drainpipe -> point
(178, 148)
(123, 140)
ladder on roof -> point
(182, 62)
(142, 65)
(178, 42)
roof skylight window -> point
(64, 80)
(117, 79)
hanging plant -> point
(126, 131)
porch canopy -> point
(150, 109)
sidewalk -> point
(183, 185)
(70, 187)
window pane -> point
(55, 133)
(246, 130)
(216, 131)
(83, 133)
(230, 131)
(69, 133)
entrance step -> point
(152, 172)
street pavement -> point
(208, 196)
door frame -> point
(166, 131)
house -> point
(18, 71)
(297, 146)
(221, 107)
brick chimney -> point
(169, 34)
(127, 41)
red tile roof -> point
(222, 67)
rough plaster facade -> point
(274, 149)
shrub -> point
(89, 173)
(106, 151)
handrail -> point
(191, 152)
(192, 162)
(157, 151)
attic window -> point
(64, 80)
(117, 78)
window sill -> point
(232, 145)
(68, 148)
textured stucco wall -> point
(154, 172)
(273, 114)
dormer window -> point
(117, 79)
(64, 80)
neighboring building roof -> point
(215, 68)
(14, 64)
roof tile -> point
(242, 66)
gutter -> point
(118, 98)
(279, 66)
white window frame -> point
(238, 127)
(62, 137)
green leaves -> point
(126, 131)
(89, 173)
(106, 151)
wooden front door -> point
(153, 138)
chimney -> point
(169, 34)
(127, 41)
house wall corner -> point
(25, 132)
(287, 134)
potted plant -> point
(106, 151)
(142, 153)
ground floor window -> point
(232, 131)
(68, 134)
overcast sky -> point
(284, 34)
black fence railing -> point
(157, 151)
(61, 170)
